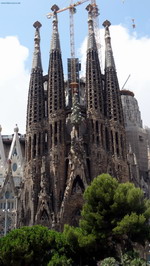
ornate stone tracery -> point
(69, 145)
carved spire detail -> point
(35, 110)
(91, 37)
(112, 98)
(56, 93)
(36, 64)
(109, 59)
(93, 71)
(55, 43)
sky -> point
(131, 49)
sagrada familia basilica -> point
(44, 173)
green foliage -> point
(132, 259)
(58, 260)
(34, 245)
(81, 247)
(128, 259)
(113, 209)
(114, 216)
(76, 239)
(109, 262)
(97, 214)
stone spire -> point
(36, 64)
(112, 99)
(115, 131)
(36, 101)
(16, 145)
(91, 37)
(56, 116)
(93, 71)
(55, 43)
(15, 156)
(36, 134)
(56, 95)
(109, 59)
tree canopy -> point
(115, 217)
(115, 213)
(35, 245)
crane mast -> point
(71, 13)
(95, 14)
(72, 44)
(49, 15)
(73, 61)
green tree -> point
(60, 260)
(115, 214)
(114, 217)
(109, 262)
(36, 245)
(80, 247)
(128, 259)
(132, 259)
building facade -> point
(138, 141)
(75, 130)
(11, 174)
(68, 145)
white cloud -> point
(132, 57)
(14, 80)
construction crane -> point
(126, 82)
(49, 15)
(72, 10)
(95, 14)
(73, 77)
